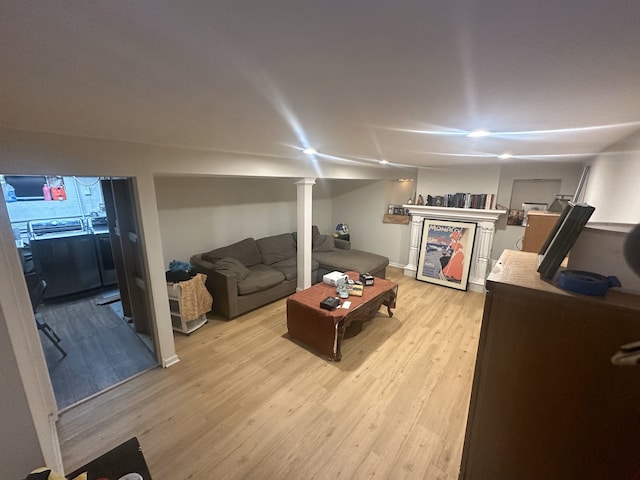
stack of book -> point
(483, 201)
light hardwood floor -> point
(247, 402)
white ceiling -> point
(354, 78)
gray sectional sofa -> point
(251, 273)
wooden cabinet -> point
(546, 401)
(539, 224)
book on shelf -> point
(480, 201)
(488, 205)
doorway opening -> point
(77, 238)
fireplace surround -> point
(480, 259)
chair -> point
(37, 287)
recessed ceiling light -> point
(479, 133)
(309, 151)
(384, 162)
(505, 156)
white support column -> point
(414, 245)
(481, 253)
(304, 222)
(482, 244)
(163, 330)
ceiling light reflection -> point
(452, 133)
(569, 130)
(309, 151)
(480, 155)
(479, 134)
(556, 155)
(484, 133)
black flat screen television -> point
(27, 187)
(563, 235)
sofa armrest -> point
(342, 244)
(222, 285)
(199, 264)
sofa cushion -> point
(245, 250)
(323, 243)
(276, 248)
(261, 277)
(350, 260)
(289, 267)
(232, 265)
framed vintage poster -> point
(445, 253)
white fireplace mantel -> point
(486, 220)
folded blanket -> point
(195, 299)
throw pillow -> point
(234, 266)
(245, 250)
(323, 243)
(276, 248)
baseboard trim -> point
(397, 265)
(168, 362)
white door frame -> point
(24, 337)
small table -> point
(323, 330)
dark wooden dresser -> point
(546, 401)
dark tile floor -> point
(102, 348)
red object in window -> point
(58, 193)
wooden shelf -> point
(397, 219)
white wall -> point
(217, 211)
(499, 180)
(198, 214)
(509, 236)
(468, 179)
(362, 204)
(612, 188)
(614, 182)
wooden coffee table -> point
(323, 330)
